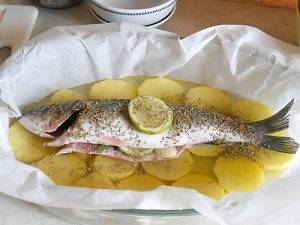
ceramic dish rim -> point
(133, 12)
(152, 25)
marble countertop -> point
(190, 16)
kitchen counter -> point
(190, 16)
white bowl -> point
(143, 12)
(153, 25)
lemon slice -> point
(150, 115)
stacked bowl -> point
(150, 13)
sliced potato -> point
(95, 180)
(282, 133)
(207, 150)
(272, 160)
(273, 174)
(250, 110)
(28, 147)
(65, 95)
(135, 81)
(238, 173)
(208, 98)
(187, 85)
(144, 182)
(115, 169)
(204, 165)
(85, 157)
(113, 89)
(162, 88)
(171, 169)
(62, 169)
(203, 184)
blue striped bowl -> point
(143, 12)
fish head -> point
(36, 123)
(47, 120)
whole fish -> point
(83, 125)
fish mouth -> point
(34, 127)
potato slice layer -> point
(204, 165)
(272, 160)
(62, 169)
(162, 88)
(65, 95)
(207, 150)
(203, 184)
(209, 99)
(113, 89)
(171, 169)
(238, 174)
(250, 110)
(84, 156)
(95, 180)
(28, 147)
(273, 174)
(115, 169)
(144, 182)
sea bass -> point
(83, 125)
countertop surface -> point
(190, 16)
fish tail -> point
(275, 123)
(279, 144)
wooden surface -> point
(280, 3)
(194, 15)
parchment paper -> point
(240, 59)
